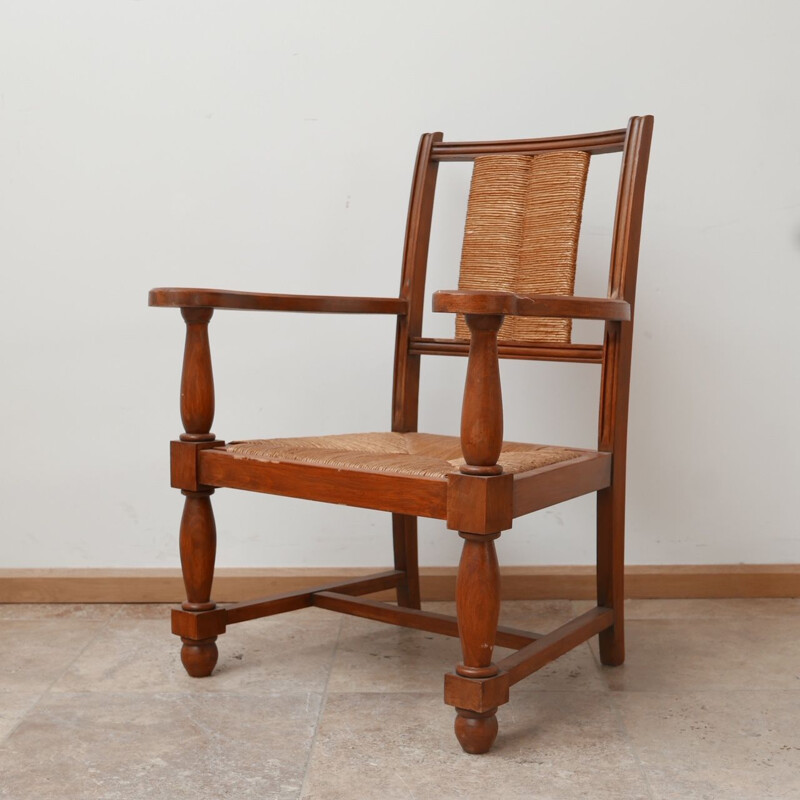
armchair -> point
(514, 301)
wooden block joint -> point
(199, 624)
(476, 694)
(183, 463)
(480, 504)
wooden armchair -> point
(516, 283)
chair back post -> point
(615, 388)
(405, 394)
(405, 390)
(617, 348)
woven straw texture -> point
(521, 234)
(417, 454)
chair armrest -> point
(469, 301)
(257, 301)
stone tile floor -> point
(94, 704)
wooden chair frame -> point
(479, 501)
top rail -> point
(594, 143)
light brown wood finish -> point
(548, 486)
(594, 143)
(482, 409)
(197, 382)
(406, 559)
(479, 500)
(478, 608)
(405, 389)
(615, 387)
(259, 301)
(473, 301)
(420, 620)
(404, 495)
(577, 353)
(198, 534)
(401, 494)
(290, 601)
(478, 583)
(544, 650)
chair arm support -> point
(482, 409)
(257, 301)
(468, 301)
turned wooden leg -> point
(611, 571)
(478, 583)
(404, 532)
(198, 544)
(198, 539)
(478, 608)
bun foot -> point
(199, 656)
(476, 730)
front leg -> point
(478, 583)
(478, 609)
(198, 534)
(198, 545)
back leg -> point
(611, 570)
(404, 533)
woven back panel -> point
(521, 234)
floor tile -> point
(535, 615)
(704, 608)
(713, 608)
(95, 704)
(36, 652)
(277, 654)
(375, 657)
(716, 745)
(551, 747)
(158, 611)
(160, 747)
(13, 707)
(665, 655)
(39, 611)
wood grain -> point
(171, 297)
(478, 685)
(482, 408)
(534, 656)
(474, 301)
(410, 618)
(576, 353)
(379, 490)
(595, 143)
(612, 433)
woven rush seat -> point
(416, 454)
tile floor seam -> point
(632, 745)
(322, 704)
(58, 677)
(609, 693)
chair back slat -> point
(521, 234)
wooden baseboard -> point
(438, 583)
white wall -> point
(269, 146)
